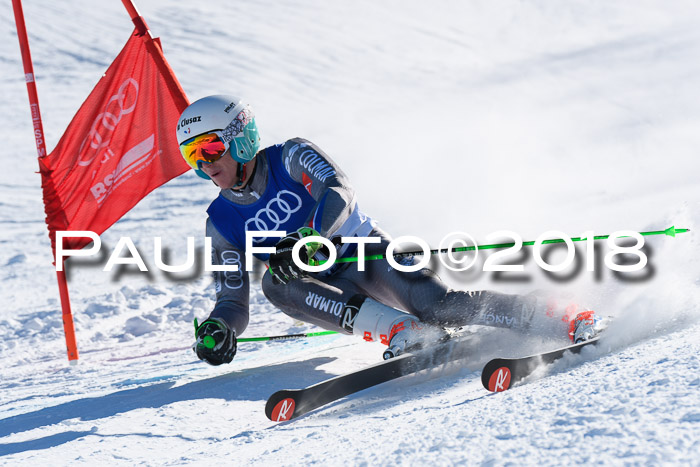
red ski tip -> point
(500, 380)
(283, 410)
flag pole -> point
(68, 325)
(153, 44)
(139, 22)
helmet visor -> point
(208, 147)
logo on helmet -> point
(229, 107)
(187, 121)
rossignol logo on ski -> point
(500, 380)
(283, 410)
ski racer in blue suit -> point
(296, 188)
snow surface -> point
(470, 116)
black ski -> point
(502, 373)
(292, 403)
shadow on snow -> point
(251, 384)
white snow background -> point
(472, 116)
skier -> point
(295, 187)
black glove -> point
(216, 342)
(282, 267)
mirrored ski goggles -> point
(209, 147)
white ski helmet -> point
(211, 125)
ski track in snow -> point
(475, 116)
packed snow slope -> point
(473, 116)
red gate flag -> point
(119, 147)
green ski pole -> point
(286, 336)
(209, 342)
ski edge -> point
(284, 405)
(501, 374)
(288, 404)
